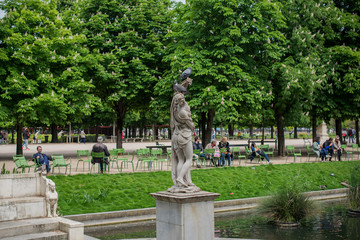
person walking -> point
(26, 136)
(82, 136)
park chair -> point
(291, 151)
(348, 153)
(222, 151)
(123, 157)
(309, 152)
(102, 156)
(59, 161)
(21, 162)
(196, 152)
(156, 154)
(248, 153)
(267, 150)
(236, 152)
(355, 148)
(84, 157)
(210, 154)
(143, 158)
(201, 158)
(114, 158)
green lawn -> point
(99, 193)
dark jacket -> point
(100, 147)
(226, 145)
(26, 135)
(198, 146)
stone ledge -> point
(185, 197)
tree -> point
(125, 41)
(218, 39)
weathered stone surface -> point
(185, 216)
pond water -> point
(331, 223)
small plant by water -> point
(287, 205)
(354, 194)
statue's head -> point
(179, 99)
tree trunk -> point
(251, 127)
(357, 131)
(120, 110)
(338, 129)
(54, 137)
(272, 132)
(96, 132)
(19, 149)
(295, 132)
(133, 131)
(281, 137)
(314, 124)
(207, 125)
(263, 131)
(12, 135)
(231, 130)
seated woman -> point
(225, 144)
(337, 147)
(316, 146)
(257, 151)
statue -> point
(51, 197)
(182, 128)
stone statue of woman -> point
(182, 128)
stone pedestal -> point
(185, 216)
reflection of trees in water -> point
(331, 224)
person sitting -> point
(42, 159)
(225, 144)
(257, 151)
(316, 146)
(212, 145)
(197, 145)
(100, 147)
(337, 147)
(327, 148)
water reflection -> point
(331, 223)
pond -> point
(331, 223)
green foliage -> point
(130, 191)
(354, 193)
(288, 204)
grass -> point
(85, 193)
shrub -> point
(287, 205)
(354, 194)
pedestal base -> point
(185, 216)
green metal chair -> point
(291, 151)
(21, 162)
(100, 155)
(355, 148)
(209, 153)
(236, 153)
(59, 161)
(309, 152)
(267, 150)
(348, 153)
(84, 157)
(144, 158)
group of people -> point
(226, 154)
(43, 159)
(223, 144)
(349, 133)
(328, 148)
